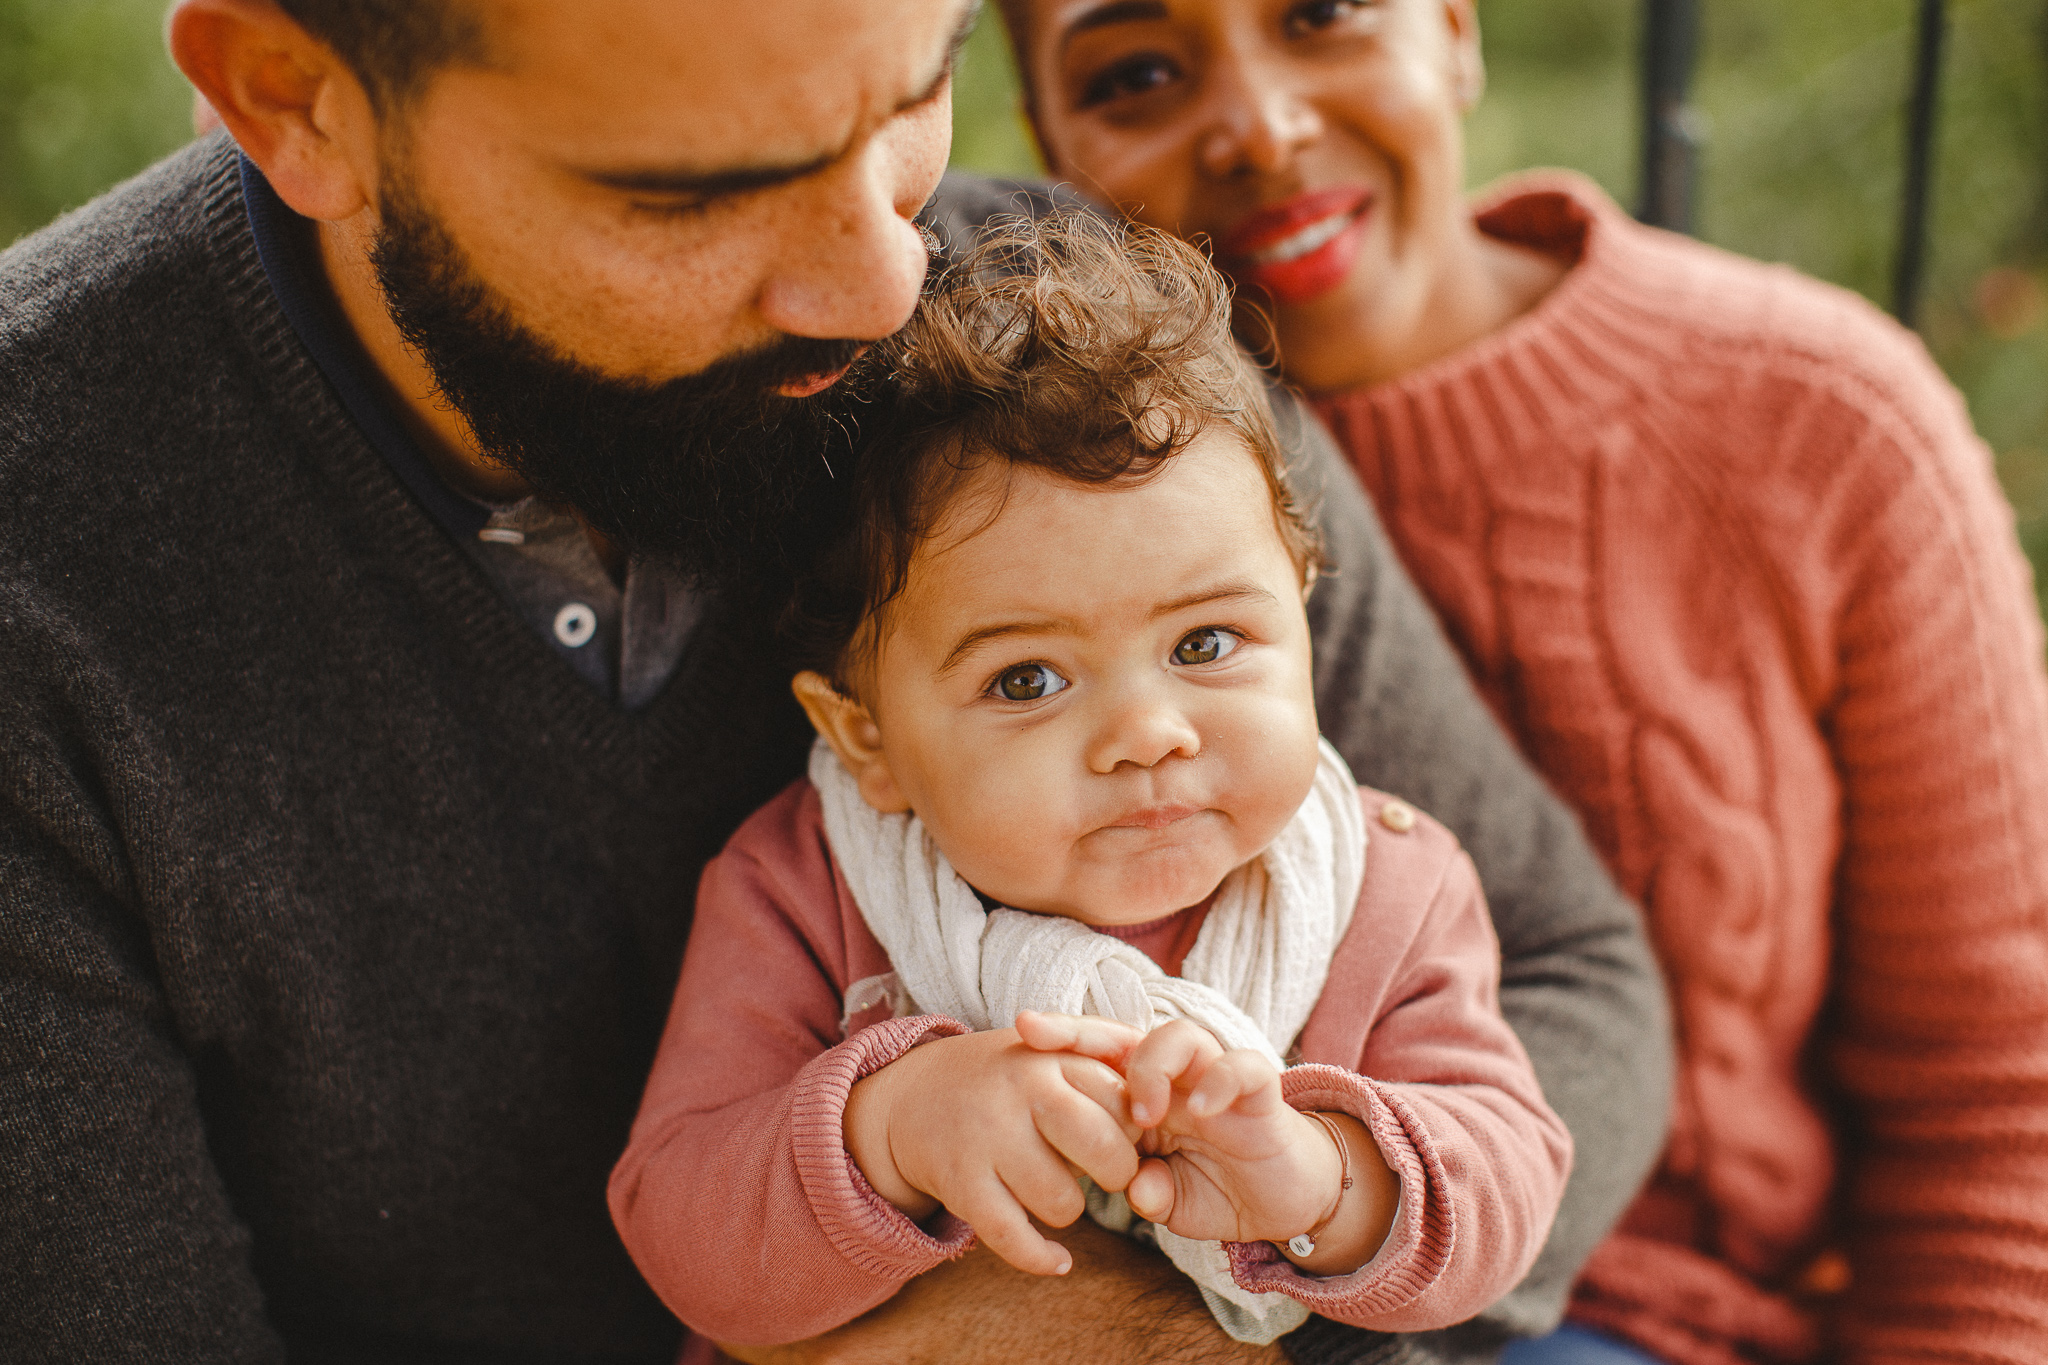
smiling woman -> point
(1371, 265)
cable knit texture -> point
(1718, 544)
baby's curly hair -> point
(1091, 350)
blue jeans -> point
(1570, 1345)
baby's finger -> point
(1088, 1134)
(1106, 1040)
(1240, 1077)
(1000, 1222)
(1039, 1179)
(1151, 1191)
(1167, 1054)
(1098, 1082)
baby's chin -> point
(1140, 900)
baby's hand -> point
(1227, 1159)
(993, 1130)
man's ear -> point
(1468, 63)
(290, 102)
(854, 736)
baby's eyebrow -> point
(1234, 591)
(981, 635)
(1237, 590)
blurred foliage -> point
(87, 98)
(1803, 102)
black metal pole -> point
(1671, 127)
(1913, 203)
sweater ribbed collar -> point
(285, 243)
(1578, 353)
(399, 532)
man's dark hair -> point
(1088, 350)
(393, 45)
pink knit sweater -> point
(1719, 546)
(740, 1204)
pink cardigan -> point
(738, 1199)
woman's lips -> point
(1302, 248)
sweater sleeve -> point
(118, 1237)
(1579, 985)
(1940, 1040)
(736, 1195)
(1447, 1092)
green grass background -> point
(1803, 101)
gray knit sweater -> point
(338, 918)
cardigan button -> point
(575, 624)
(1398, 816)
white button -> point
(501, 535)
(1398, 816)
(575, 624)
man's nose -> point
(1142, 727)
(1258, 118)
(854, 272)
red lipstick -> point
(1301, 248)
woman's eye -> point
(1205, 646)
(1028, 682)
(1317, 15)
(1137, 75)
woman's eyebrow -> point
(1115, 12)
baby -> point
(1075, 908)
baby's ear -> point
(854, 736)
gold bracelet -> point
(1304, 1243)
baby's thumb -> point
(1151, 1191)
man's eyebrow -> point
(682, 182)
(1240, 590)
(1115, 12)
(981, 635)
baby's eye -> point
(1027, 682)
(1205, 646)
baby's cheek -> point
(1002, 842)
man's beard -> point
(714, 472)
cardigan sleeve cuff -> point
(1417, 1246)
(871, 1233)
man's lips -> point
(1301, 248)
(816, 383)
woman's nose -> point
(1259, 122)
(1142, 729)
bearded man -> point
(391, 489)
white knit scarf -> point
(1254, 974)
